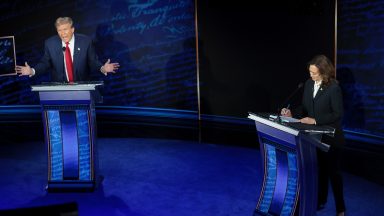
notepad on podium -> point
(284, 118)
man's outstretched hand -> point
(24, 70)
(110, 67)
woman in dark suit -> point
(323, 105)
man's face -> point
(65, 32)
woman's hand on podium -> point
(286, 112)
(308, 120)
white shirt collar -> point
(316, 88)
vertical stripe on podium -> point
(70, 145)
(84, 144)
(55, 145)
(292, 187)
(269, 178)
(281, 183)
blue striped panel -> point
(56, 145)
(84, 145)
(70, 145)
(292, 188)
(270, 178)
(281, 183)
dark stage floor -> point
(159, 177)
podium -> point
(288, 152)
(68, 112)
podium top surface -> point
(76, 86)
(292, 127)
(266, 121)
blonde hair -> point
(63, 20)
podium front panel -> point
(280, 190)
(70, 147)
(289, 167)
(69, 127)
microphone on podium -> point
(278, 119)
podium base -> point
(71, 186)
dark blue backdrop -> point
(154, 41)
(360, 62)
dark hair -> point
(326, 68)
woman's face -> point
(315, 73)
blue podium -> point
(70, 134)
(289, 160)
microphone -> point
(292, 94)
(287, 100)
(63, 48)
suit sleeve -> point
(45, 62)
(301, 111)
(336, 108)
(93, 61)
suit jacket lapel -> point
(319, 92)
(76, 53)
(60, 56)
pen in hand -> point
(286, 109)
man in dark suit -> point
(71, 57)
(323, 105)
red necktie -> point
(68, 62)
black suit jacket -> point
(85, 59)
(326, 108)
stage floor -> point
(160, 177)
